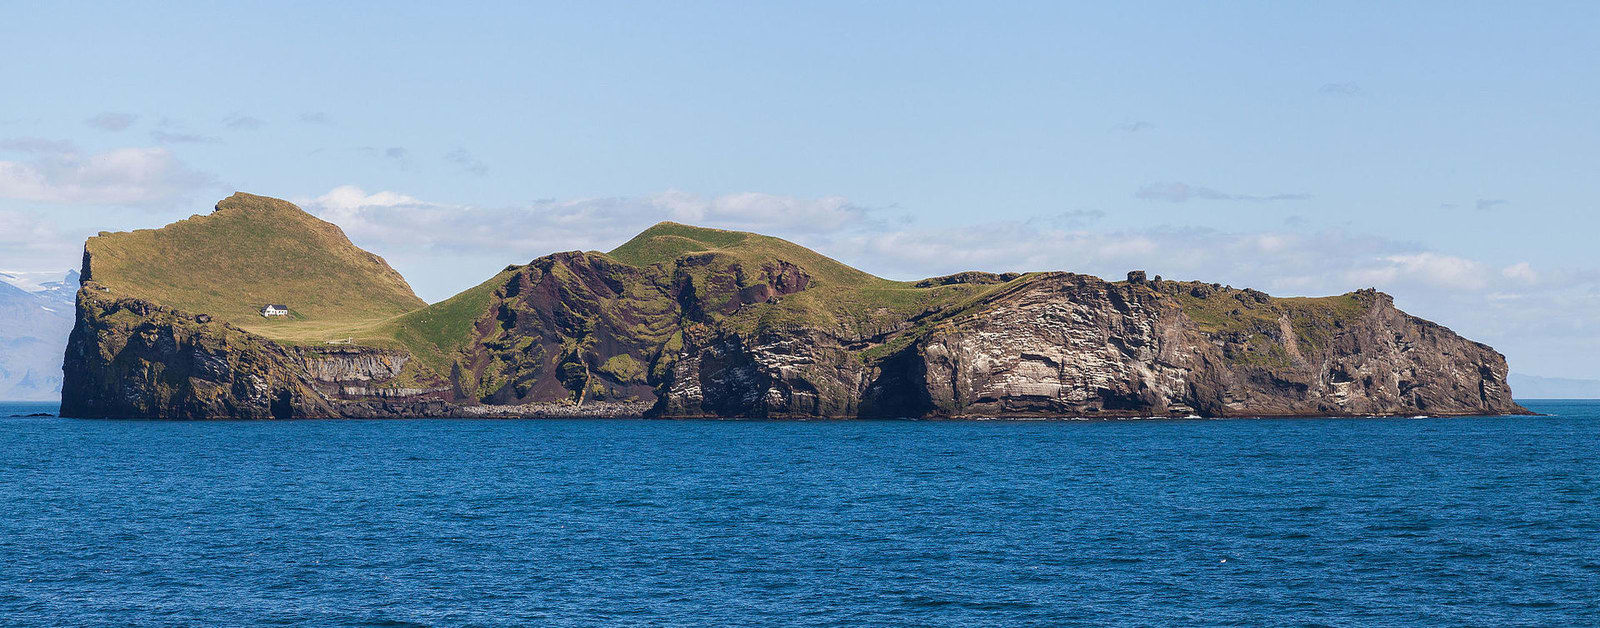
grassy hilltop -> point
(250, 252)
(838, 297)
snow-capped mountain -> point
(33, 334)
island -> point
(259, 310)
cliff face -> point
(685, 322)
(128, 358)
(1070, 345)
(132, 358)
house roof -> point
(274, 307)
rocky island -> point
(684, 321)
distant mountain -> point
(33, 337)
(64, 291)
(1535, 387)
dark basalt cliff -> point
(686, 322)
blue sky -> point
(1444, 152)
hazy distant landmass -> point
(33, 332)
(685, 321)
(1535, 387)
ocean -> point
(1461, 521)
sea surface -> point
(1464, 521)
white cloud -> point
(1272, 242)
(1442, 271)
(1520, 271)
(348, 199)
(754, 210)
(59, 173)
(29, 245)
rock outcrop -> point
(1063, 345)
(686, 322)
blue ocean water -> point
(1469, 521)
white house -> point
(270, 311)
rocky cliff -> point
(688, 322)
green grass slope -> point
(252, 251)
(436, 332)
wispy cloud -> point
(1076, 218)
(170, 137)
(466, 162)
(243, 123)
(1176, 192)
(112, 121)
(398, 155)
(1340, 89)
(315, 117)
(1486, 204)
(1135, 126)
(37, 146)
